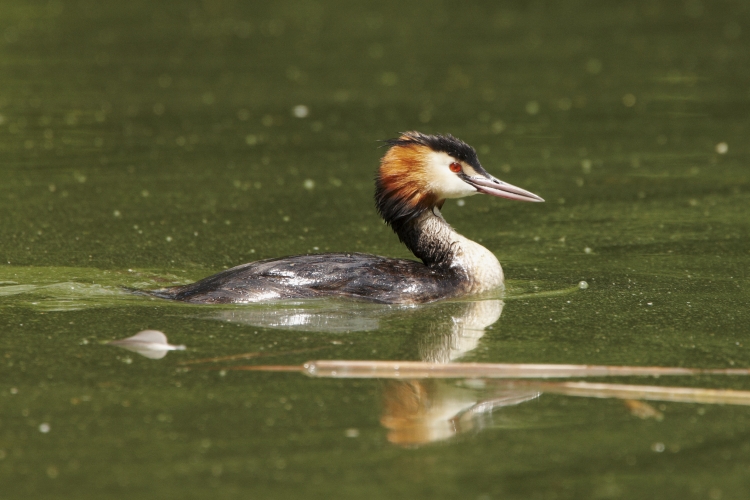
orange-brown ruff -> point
(402, 177)
(416, 175)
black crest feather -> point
(448, 144)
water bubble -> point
(294, 74)
(389, 79)
(694, 8)
(351, 433)
(301, 111)
(658, 447)
(11, 34)
(44, 428)
(243, 29)
(722, 148)
(165, 81)
(498, 126)
(583, 285)
(587, 250)
(594, 66)
(732, 31)
(375, 51)
(628, 100)
(309, 184)
(564, 104)
(342, 95)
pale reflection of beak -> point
(149, 343)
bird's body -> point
(351, 275)
(416, 175)
(355, 275)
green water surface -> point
(150, 143)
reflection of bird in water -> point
(423, 411)
(448, 341)
(417, 174)
(444, 331)
(414, 411)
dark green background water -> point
(160, 138)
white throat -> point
(480, 265)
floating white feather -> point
(149, 343)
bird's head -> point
(419, 172)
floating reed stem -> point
(513, 372)
(418, 369)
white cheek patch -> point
(440, 179)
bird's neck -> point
(438, 245)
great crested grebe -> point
(416, 175)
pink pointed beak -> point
(496, 187)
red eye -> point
(455, 167)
